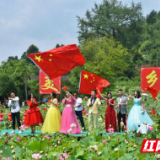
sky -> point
(45, 23)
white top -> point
(14, 104)
(78, 102)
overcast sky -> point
(45, 23)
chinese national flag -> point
(91, 81)
(46, 86)
(58, 61)
(153, 91)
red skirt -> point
(110, 118)
(33, 117)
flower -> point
(73, 125)
(99, 119)
(111, 130)
(59, 139)
(95, 147)
(122, 124)
(116, 149)
(47, 136)
(19, 139)
(104, 142)
(36, 156)
(54, 154)
(44, 109)
(11, 135)
(13, 151)
(150, 128)
(90, 148)
(65, 155)
(6, 141)
(23, 127)
(99, 153)
(134, 146)
(61, 158)
(70, 130)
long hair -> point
(138, 94)
(29, 96)
(108, 94)
(53, 94)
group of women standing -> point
(136, 117)
(54, 122)
(68, 122)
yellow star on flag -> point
(86, 76)
(38, 58)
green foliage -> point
(32, 49)
(113, 18)
(12, 78)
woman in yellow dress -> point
(52, 121)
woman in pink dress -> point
(69, 121)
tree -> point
(58, 45)
(32, 49)
(14, 74)
(104, 57)
(6, 85)
(115, 19)
(11, 58)
(151, 18)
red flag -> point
(58, 61)
(91, 81)
(153, 91)
(65, 88)
(46, 86)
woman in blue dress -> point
(137, 114)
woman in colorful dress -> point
(33, 116)
(69, 124)
(52, 121)
(137, 114)
(110, 116)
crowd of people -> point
(68, 123)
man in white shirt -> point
(15, 111)
(78, 109)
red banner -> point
(150, 77)
(46, 86)
(150, 146)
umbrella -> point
(144, 94)
(45, 100)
